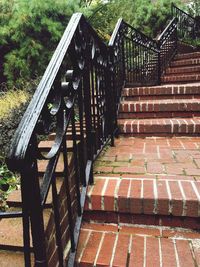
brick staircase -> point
(169, 109)
(144, 207)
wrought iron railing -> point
(167, 45)
(78, 99)
(76, 89)
(135, 56)
(188, 27)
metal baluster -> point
(57, 222)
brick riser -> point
(151, 115)
(180, 78)
(145, 196)
(136, 246)
(159, 97)
(160, 126)
(181, 105)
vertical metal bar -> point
(57, 222)
(82, 153)
(25, 221)
(75, 155)
(36, 216)
(67, 190)
(88, 115)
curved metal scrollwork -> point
(72, 102)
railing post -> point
(159, 62)
(31, 190)
(90, 134)
(36, 217)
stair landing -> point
(144, 207)
(137, 246)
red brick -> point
(135, 196)
(133, 230)
(109, 195)
(96, 194)
(177, 199)
(168, 253)
(148, 197)
(106, 251)
(184, 253)
(91, 249)
(152, 252)
(192, 202)
(196, 249)
(137, 252)
(121, 252)
(163, 198)
(154, 167)
(100, 227)
(123, 200)
(81, 243)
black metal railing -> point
(135, 56)
(78, 99)
(167, 45)
(76, 89)
(188, 27)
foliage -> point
(194, 8)
(31, 29)
(11, 100)
(145, 15)
(8, 183)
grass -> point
(11, 100)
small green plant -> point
(8, 182)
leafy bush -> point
(29, 33)
(8, 182)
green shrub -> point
(30, 30)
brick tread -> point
(160, 125)
(166, 105)
(135, 246)
(187, 56)
(179, 89)
(145, 196)
(185, 62)
(180, 78)
(180, 70)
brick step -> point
(13, 259)
(151, 115)
(183, 70)
(163, 90)
(160, 126)
(126, 245)
(166, 105)
(47, 145)
(159, 97)
(187, 56)
(185, 62)
(145, 196)
(14, 198)
(11, 232)
(42, 165)
(177, 78)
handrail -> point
(134, 54)
(77, 82)
(167, 29)
(187, 25)
(84, 79)
(182, 11)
